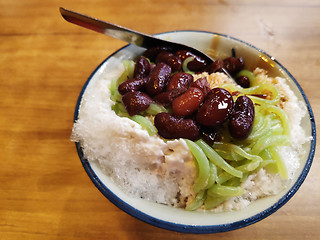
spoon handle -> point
(124, 34)
(128, 35)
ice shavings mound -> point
(143, 166)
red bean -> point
(195, 65)
(168, 58)
(158, 79)
(152, 53)
(233, 64)
(141, 68)
(241, 119)
(210, 134)
(214, 66)
(171, 127)
(132, 85)
(179, 80)
(162, 56)
(243, 81)
(183, 54)
(202, 84)
(216, 108)
(136, 102)
(188, 102)
(166, 98)
(152, 65)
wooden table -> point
(44, 62)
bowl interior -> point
(218, 46)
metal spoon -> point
(127, 35)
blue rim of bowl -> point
(198, 229)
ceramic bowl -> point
(218, 46)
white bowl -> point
(218, 46)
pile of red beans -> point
(196, 110)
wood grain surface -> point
(44, 62)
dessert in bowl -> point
(181, 180)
